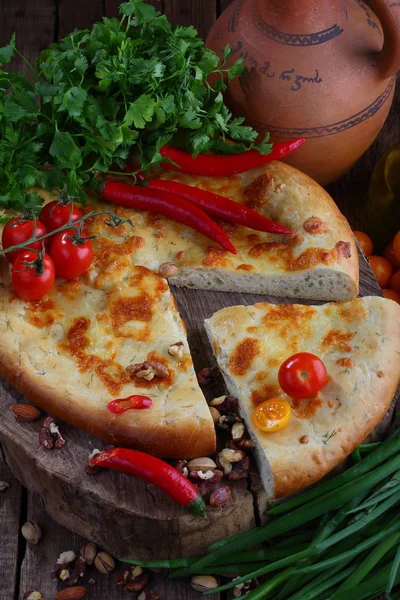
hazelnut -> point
(227, 456)
(216, 415)
(203, 583)
(104, 563)
(168, 269)
(237, 431)
(217, 401)
(88, 552)
(202, 464)
(177, 350)
(31, 532)
(304, 439)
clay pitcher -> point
(319, 69)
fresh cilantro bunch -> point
(126, 87)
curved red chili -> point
(172, 206)
(155, 471)
(224, 165)
(121, 405)
(219, 206)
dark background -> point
(38, 23)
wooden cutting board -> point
(122, 514)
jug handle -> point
(388, 12)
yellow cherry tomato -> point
(271, 415)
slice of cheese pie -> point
(359, 343)
(114, 333)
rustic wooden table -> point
(24, 567)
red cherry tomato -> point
(17, 231)
(302, 375)
(55, 214)
(72, 256)
(32, 279)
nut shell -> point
(203, 583)
(168, 269)
(204, 463)
(88, 552)
(104, 563)
(31, 532)
(73, 593)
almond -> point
(73, 593)
(25, 412)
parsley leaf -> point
(141, 111)
(127, 86)
(7, 52)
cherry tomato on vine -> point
(271, 415)
(55, 214)
(365, 242)
(302, 375)
(17, 231)
(32, 277)
(72, 254)
(382, 268)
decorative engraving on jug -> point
(293, 39)
(368, 15)
(233, 21)
(332, 128)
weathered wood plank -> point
(80, 15)
(198, 13)
(10, 509)
(34, 25)
(111, 6)
(39, 560)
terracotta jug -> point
(319, 69)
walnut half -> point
(148, 370)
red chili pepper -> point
(170, 205)
(219, 206)
(121, 405)
(207, 164)
(155, 471)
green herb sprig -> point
(126, 87)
